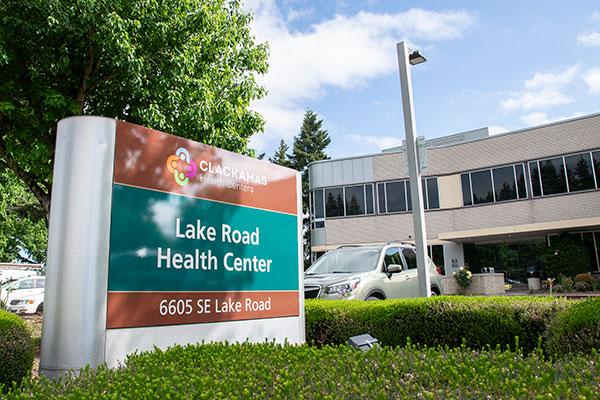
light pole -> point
(405, 59)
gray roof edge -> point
(562, 121)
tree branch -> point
(81, 93)
(28, 179)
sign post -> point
(156, 240)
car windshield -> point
(345, 261)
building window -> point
(465, 182)
(369, 198)
(319, 210)
(552, 172)
(534, 173)
(396, 196)
(596, 157)
(432, 197)
(355, 200)
(481, 186)
(334, 202)
(580, 174)
(520, 177)
(505, 183)
(494, 185)
(381, 198)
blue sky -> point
(506, 65)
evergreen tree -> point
(281, 157)
(309, 146)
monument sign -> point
(157, 240)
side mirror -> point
(393, 269)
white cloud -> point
(590, 40)
(299, 14)
(377, 142)
(541, 118)
(592, 79)
(535, 118)
(344, 52)
(531, 100)
(496, 130)
(543, 80)
(542, 91)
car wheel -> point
(435, 291)
(40, 308)
(371, 298)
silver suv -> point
(368, 273)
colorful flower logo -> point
(182, 166)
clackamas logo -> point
(182, 166)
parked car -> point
(25, 295)
(368, 273)
(9, 275)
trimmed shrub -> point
(268, 371)
(581, 286)
(447, 321)
(575, 329)
(587, 278)
(16, 349)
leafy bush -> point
(587, 278)
(581, 286)
(566, 283)
(463, 278)
(576, 329)
(16, 349)
(567, 256)
(268, 371)
(476, 321)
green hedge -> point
(576, 329)
(447, 321)
(16, 349)
(268, 371)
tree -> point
(566, 256)
(184, 67)
(23, 234)
(309, 146)
(281, 157)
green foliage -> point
(581, 286)
(269, 371)
(445, 321)
(16, 349)
(566, 256)
(587, 278)
(281, 156)
(309, 145)
(183, 67)
(566, 283)
(23, 233)
(576, 329)
(463, 278)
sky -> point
(506, 65)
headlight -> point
(21, 302)
(343, 288)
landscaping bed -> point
(440, 321)
(444, 347)
(260, 371)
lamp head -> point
(416, 58)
